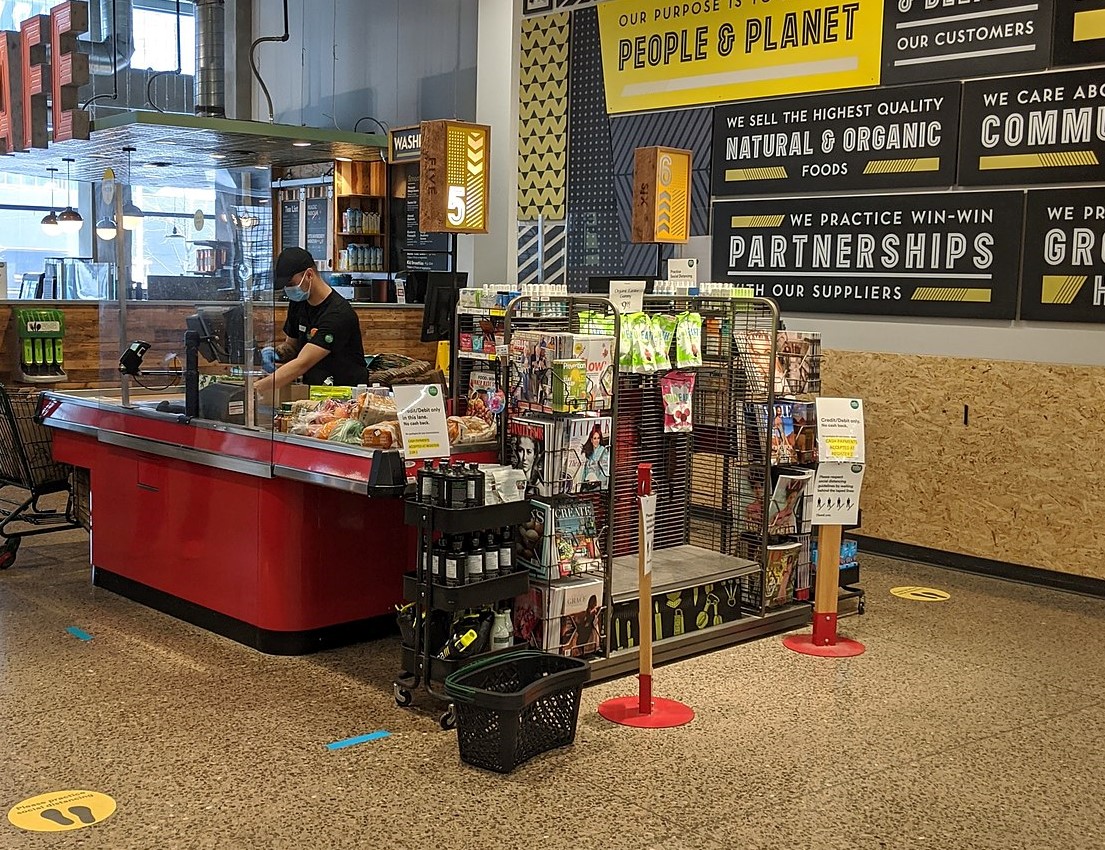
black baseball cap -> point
(291, 262)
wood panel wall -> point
(1022, 480)
(92, 341)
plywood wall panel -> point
(1022, 481)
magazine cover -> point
(598, 353)
(782, 433)
(782, 569)
(784, 514)
(804, 416)
(587, 453)
(799, 354)
(581, 615)
(484, 398)
(534, 540)
(575, 538)
(529, 442)
(532, 612)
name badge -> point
(303, 329)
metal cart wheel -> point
(8, 550)
(403, 697)
(449, 718)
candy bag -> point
(688, 340)
(663, 331)
(676, 389)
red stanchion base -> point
(843, 648)
(665, 714)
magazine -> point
(532, 444)
(785, 514)
(598, 353)
(575, 538)
(587, 453)
(782, 569)
(799, 358)
(804, 416)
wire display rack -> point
(27, 464)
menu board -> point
(950, 39)
(1079, 32)
(1063, 277)
(871, 139)
(289, 224)
(938, 254)
(1036, 128)
(416, 239)
(317, 212)
(429, 261)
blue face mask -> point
(294, 293)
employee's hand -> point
(268, 359)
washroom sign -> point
(1063, 277)
(455, 177)
(951, 255)
(871, 139)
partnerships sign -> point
(871, 139)
(660, 54)
(946, 254)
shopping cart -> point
(26, 463)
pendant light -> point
(132, 215)
(106, 229)
(50, 220)
(69, 220)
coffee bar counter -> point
(284, 543)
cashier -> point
(323, 334)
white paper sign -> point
(840, 430)
(683, 271)
(628, 295)
(648, 514)
(422, 420)
(836, 489)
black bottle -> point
(477, 483)
(506, 550)
(454, 561)
(490, 555)
(474, 560)
(427, 479)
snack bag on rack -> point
(637, 352)
(676, 388)
(663, 331)
(688, 340)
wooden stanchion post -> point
(825, 592)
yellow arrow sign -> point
(921, 594)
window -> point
(164, 241)
(23, 244)
(155, 36)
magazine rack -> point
(716, 532)
(546, 429)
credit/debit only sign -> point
(655, 55)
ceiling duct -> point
(111, 43)
(210, 78)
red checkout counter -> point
(283, 543)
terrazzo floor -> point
(973, 723)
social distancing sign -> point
(61, 811)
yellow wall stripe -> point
(774, 172)
(1061, 159)
(756, 221)
(1061, 289)
(1089, 26)
(902, 166)
(951, 293)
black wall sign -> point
(317, 211)
(1079, 32)
(1063, 277)
(405, 144)
(1038, 128)
(289, 224)
(946, 254)
(425, 261)
(949, 39)
(416, 239)
(873, 139)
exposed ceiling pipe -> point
(179, 66)
(210, 80)
(253, 59)
(112, 45)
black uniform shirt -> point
(332, 325)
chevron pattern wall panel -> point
(593, 244)
(555, 254)
(543, 118)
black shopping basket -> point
(27, 463)
(511, 707)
